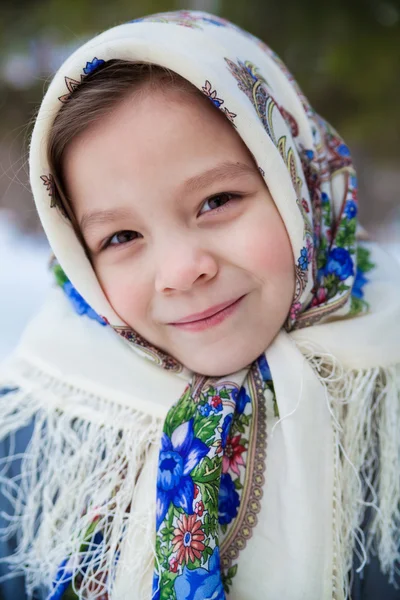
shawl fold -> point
(90, 419)
(326, 444)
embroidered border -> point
(250, 505)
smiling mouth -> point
(208, 318)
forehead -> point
(150, 141)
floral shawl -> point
(278, 461)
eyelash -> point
(218, 209)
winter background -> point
(345, 55)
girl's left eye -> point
(121, 237)
(217, 202)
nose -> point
(182, 265)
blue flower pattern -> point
(225, 429)
(340, 264)
(62, 581)
(350, 209)
(66, 572)
(228, 500)
(264, 368)
(303, 259)
(200, 483)
(324, 198)
(309, 154)
(93, 65)
(343, 150)
(205, 409)
(242, 399)
(358, 285)
(200, 583)
(217, 102)
(179, 455)
(80, 305)
(181, 452)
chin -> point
(219, 366)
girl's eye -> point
(216, 202)
(122, 237)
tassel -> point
(79, 474)
(86, 455)
(365, 409)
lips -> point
(206, 314)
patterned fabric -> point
(80, 305)
(206, 502)
(317, 161)
(212, 456)
(328, 281)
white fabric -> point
(69, 366)
(370, 341)
(73, 346)
(291, 554)
(162, 45)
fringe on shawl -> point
(61, 491)
(365, 408)
(78, 474)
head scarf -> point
(217, 482)
(306, 165)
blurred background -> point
(345, 55)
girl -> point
(211, 395)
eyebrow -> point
(99, 217)
(221, 172)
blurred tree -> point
(346, 55)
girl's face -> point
(183, 234)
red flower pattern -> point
(173, 564)
(215, 401)
(233, 455)
(294, 310)
(188, 540)
(199, 508)
(305, 205)
(320, 297)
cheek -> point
(127, 296)
(267, 251)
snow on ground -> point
(25, 280)
(394, 249)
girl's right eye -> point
(121, 237)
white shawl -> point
(337, 383)
(339, 407)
